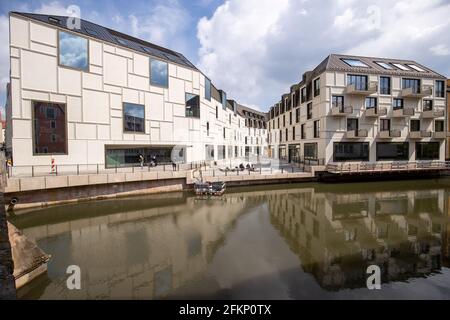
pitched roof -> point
(93, 30)
(248, 111)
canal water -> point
(275, 242)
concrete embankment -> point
(7, 285)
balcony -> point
(439, 135)
(403, 112)
(429, 114)
(422, 91)
(341, 111)
(376, 112)
(356, 134)
(389, 134)
(419, 134)
(372, 87)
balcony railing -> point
(356, 134)
(376, 112)
(371, 87)
(439, 135)
(341, 110)
(417, 92)
(388, 134)
(403, 112)
(419, 134)
(432, 113)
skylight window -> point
(91, 32)
(401, 67)
(417, 68)
(384, 65)
(355, 63)
(121, 41)
(53, 20)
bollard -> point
(97, 169)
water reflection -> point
(308, 241)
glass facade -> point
(207, 89)
(73, 51)
(427, 150)
(310, 151)
(159, 73)
(133, 118)
(192, 105)
(392, 151)
(129, 156)
(350, 151)
(49, 129)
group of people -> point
(153, 162)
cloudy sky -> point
(255, 49)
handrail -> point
(392, 166)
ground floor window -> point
(282, 153)
(230, 151)
(350, 151)
(49, 128)
(392, 151)
(236, 152)
(128, 156)
(427, 150)
(310, 151)
(220, 152)
(209, 152)
(294, 153)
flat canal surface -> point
(277, 242)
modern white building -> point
(90, 95)
(361, 109)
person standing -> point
(141, 160)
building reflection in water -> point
(337, 235)
(151, 247)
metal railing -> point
(83, 169)
(391, 166)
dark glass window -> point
(49, 128)
(73, 51)
(392, 151)
(338, 102)
(359, 81)
(427, 150)
(397, 103)
(207, 89)
(297, 115)
(122, 156)
(352, 124)
(309, 111)
(371, 102)
(159, 73)
(350, 151)
(385, 85)
(415, 125)
(220, 152)
(192, 105)
(303, 95)
(317, 129)
(133, 118)
(440, 89)
(290, 118)
(284, 120)
(438, 125)
(385, 124)
(293, 133)
(316, 87)
(207, 128)
(302, 131)
(411, 83)
(310, 151)
(427, 105)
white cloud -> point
(255, 50)
(440, 50)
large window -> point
(371, 102)
(392, 151)
(385, 124)
(440, 89)
(309, 111)
(411, 83)
(192, 105)
(415, 125)
(427, 105)
(129, 156)
(439, 125)
(385, 85)
(133, 118)
(338, 102)
(49, 128)
(350, 151)
(316, 87)
(397, 103)
(310, 151)
(360, 82)
(352, 124)
(303, 95)
(220, 152)
(317, 129)
(73, 51)
(208, 90)
(302, 131)
(159, 73)
(427, 150)
(297, 115)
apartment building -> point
(87, 94)
(362, 109)
(448, 118)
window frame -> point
(436, 89)
(33, 128)
(390, 85)
(123, 115)
(185, 106)
(436, 122)
(316, 91)
(210, 84)
(309, 111)
(88, 58)
(411, 125)
(150, 75)
(365, 145)
(404, 143)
